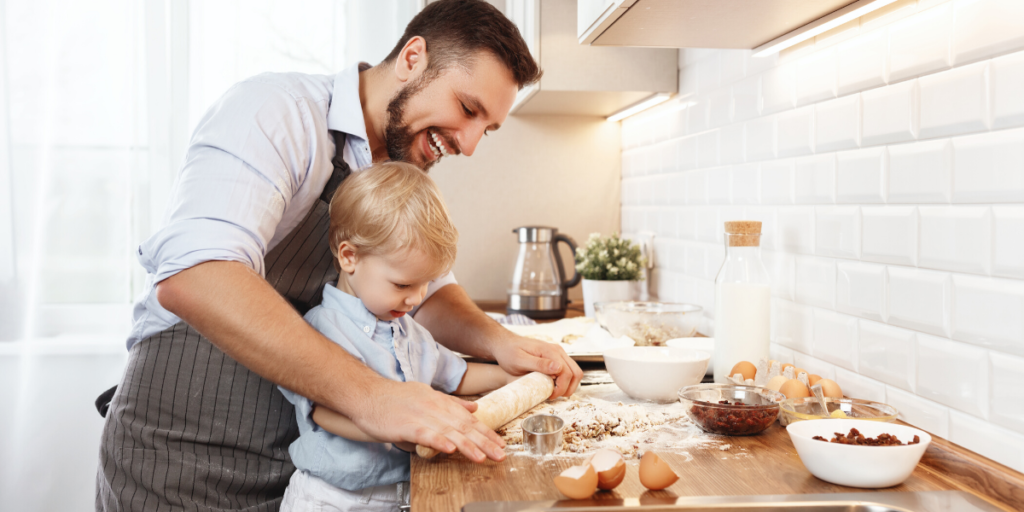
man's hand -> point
(415, 413)
(521, 355)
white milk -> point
(742, 325)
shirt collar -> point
(352, 307)
(346, 112)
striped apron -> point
(191, 428)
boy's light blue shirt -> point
(399, 350)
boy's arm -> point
(480, 378)
(341, 426)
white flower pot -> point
(608, 291)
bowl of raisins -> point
(731, 409)
(858, 453)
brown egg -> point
(610, 468)
(793, 388)
(746, 368)
(812, 378)
(577, 482)
(655, 474)
(830, 388)
(776, 382)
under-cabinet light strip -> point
(820, 26)
(640, 106)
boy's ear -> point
(347, 257)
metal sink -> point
(931, 501)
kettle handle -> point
(572, 245)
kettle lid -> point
(539, 234)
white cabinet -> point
(579, 79)
(696, 23)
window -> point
(97, 101)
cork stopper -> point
(743, 233)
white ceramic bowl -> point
(697, 343)
(869, 467)
(655, 373)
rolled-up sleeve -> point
(248, 156)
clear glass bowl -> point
(649, 323)
(750, 410)
(807, 408)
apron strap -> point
(341, 168)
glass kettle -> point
(539, 288)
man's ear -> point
(412, 60)
(347, 257)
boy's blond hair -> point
(390, 207)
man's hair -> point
(391, 207)
(456, 29)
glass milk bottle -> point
(742, 300)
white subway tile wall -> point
(885, 160)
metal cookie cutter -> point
(542, 434)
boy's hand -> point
(412, 412)
(520, 356)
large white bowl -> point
(857, 466)
(697, 343)
(655, 373)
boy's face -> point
(389, 285)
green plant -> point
(609, 259)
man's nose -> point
(471, 137)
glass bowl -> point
(807, 408)
(649, 323)
(750, 410)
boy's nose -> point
(415, 299)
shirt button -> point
(366, 328)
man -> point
(197, 421)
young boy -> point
(391, 235)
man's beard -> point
(398, 137)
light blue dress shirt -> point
(257, 162)
(400, 350)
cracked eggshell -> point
(610, 468)
(577, 482)
(656, 474)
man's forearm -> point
(456, 322)
(240, 313)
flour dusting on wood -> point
(603, 417)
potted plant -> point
(612, 270)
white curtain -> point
(97, 102)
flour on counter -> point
(603, 417)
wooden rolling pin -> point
(507, 403)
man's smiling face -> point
(435, 116)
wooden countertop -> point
(753, 465)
